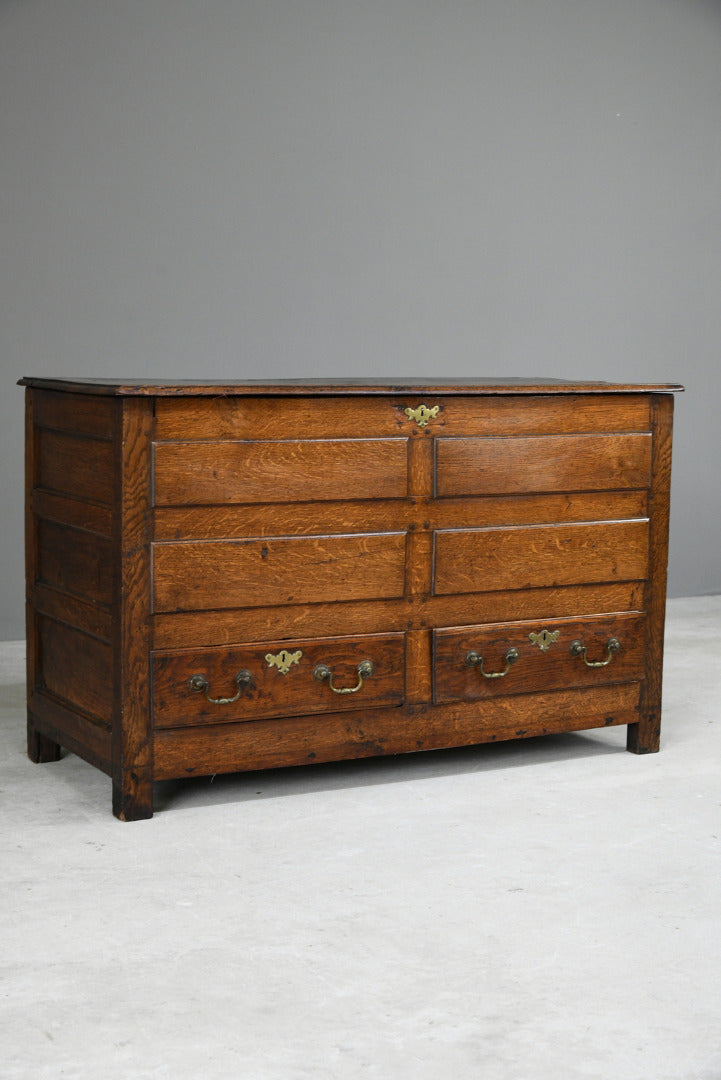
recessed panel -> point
(499, 466)
(529, 556)
(279, 471)
(206, 575)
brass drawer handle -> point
(200, 683)
(474, 660)
(577, 649)
(364, 669)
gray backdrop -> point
(243, 188)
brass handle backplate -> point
(474, 660)
(364, 670)
(200, 684)
(612, 647)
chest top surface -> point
(342, 387)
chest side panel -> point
(72, 481)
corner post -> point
(644, 737)
(41, 748)
(132, 735)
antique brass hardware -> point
(422, 414)
(200, 683)
(283, 660)
(612, 647)
(364, 670)
(474, 660)
(544, 639)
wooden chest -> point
(234, 577)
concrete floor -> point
(540, 909)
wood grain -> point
(522, 465)
(80, 467)
(77, 513)
(200, 628)
(41, 747)
(226, 522)
(75, 562)
(248, 417)
(280, 471)
(315, 387)
(535, 670)
(644, 737)
(419, 671)
(132, 743)
(319, 517)
(76, 413)
(92, 619)
(271, 693)
(476, 560)
(218, 574)
(270, 744)
(420, 469)
(76, 668)
(544, 414)
(63, 726)
(263, 418)
(69, 584)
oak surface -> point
(273, 691)
(316, 387)
(521, 557)
(177, 532)
(550, 668)
(504, 465)
(279, 471)
(217, 574)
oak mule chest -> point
(234, 577)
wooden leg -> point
(133, 797)
(41, 748)
(644, 737)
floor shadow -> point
(358, 773)
(393, 769)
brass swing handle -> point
(612, 647)
(364, 670)
(200, 684)
(474, 660)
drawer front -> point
(530, 556)
(278, 678)
(216, 574)
(499, 466)
(472, 662)
(275, 471)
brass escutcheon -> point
(544, 639)
(283, 660)
(422, 414)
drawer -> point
(217, 574)
(272, 471)
(540, 463)
(277, 678)
(472, 662)
(530, 556)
